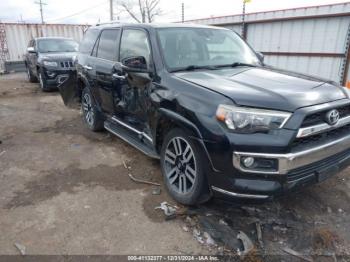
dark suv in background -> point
(200, 99)
(49, 60)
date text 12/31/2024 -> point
(173, 258)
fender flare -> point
(87, 85)
(188, 125)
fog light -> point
(248, 161)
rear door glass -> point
(88, 41)
(108, 44)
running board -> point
(133, 140)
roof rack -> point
(110, 22)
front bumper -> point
(55, 77)
(295, 170)
(291, 161)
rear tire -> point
(91, 116)
(183, 166)
(31, 77)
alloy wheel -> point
(88, 110)
(28, 73)
(41, 81)
(180, 165)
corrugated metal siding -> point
(325, 67)
(18, 35)
(313, 35)
(319, 33)
(327, 10)
(236, 28)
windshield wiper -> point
(193, 67)
(236, 64)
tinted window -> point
(89, 41)
(182, 47)
(134, 43)
(108, 45)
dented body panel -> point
(151, 103)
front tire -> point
(30, 76)
(183, 166)
(42, 81)
(91, 116)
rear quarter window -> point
(88, 41)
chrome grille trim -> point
(320, 128)
(66, 64)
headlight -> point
(50, 63)
(251, 120)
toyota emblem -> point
(332, 117)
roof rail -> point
(110, 22)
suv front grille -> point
(318, 118)
(319, 139)
(66, 64)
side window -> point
(135, 43)
(88, 41)
(108, 44)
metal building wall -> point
(311, 40)
(18, 35)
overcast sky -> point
(93, 11)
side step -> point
(130, 138)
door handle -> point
(120, 77)
(87, 67)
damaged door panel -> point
(69, 91)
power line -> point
(80, 12)
(40, 3)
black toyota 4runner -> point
(49, 60)
(200, 99)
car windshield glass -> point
(183, 47)
(57, 45)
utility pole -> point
(243, 33)
(183, 12)
(41, 3)
(111, 10)
(243, 20)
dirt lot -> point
(65, 190)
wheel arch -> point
(168, 120)
(83, 82)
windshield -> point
(57, 45)
(183, 47)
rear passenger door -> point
(32, 57)
(136, 88)
(86, 61)
(106, 57)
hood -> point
(58, 56)
(266, 87)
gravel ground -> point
(65, 190)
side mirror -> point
(260, 56)
(136, 64)
(31, 50)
